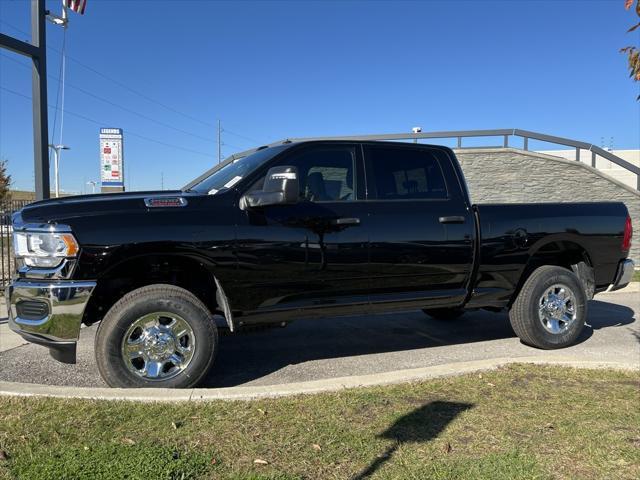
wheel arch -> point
(561, 252)
(188, 272)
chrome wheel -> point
(557, 309)
(158, 346)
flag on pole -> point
(77, 6)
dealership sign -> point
(111, 158)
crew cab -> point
(301, 230)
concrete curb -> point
(163, 395)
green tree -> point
(633, 53)
(5, 181)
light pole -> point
(56, 168)
(93, 185)
(416, 130)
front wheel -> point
(551, 309)
(156, 336)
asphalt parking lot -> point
(347, 346)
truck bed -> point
(516, 237)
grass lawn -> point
(636, 276)
(517, 422)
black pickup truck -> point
(299, 230)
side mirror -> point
(281, 187)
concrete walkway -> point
(8, 339)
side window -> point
(325, 173)
(405, 173)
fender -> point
(568, 252)
(186, 269)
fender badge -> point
(161, 202)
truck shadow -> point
(244, 358)
(419, 426)
(605, 314)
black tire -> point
(144, 301)
(444, 313)
(524, 313)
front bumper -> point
(49, 313)
(623, 275)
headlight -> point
(44, 249)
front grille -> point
(32, 309)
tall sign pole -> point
(39, 99)
(37, 51)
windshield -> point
(229, 175)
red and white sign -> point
(111, 157)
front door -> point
(309, 258)
(421, 230)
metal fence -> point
(7, 208)
(459, 135)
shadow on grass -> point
(419, 426)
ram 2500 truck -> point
(299, 230)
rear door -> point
(421, 228)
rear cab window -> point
(401, 173)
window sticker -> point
(233, 181)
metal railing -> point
(459, 135)
(7, 267)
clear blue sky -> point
(271, 70)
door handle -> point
(346, 221)
(452, 219)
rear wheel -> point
(551, 309)
(156, 336)
(444, 313)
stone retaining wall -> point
(509, 175)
